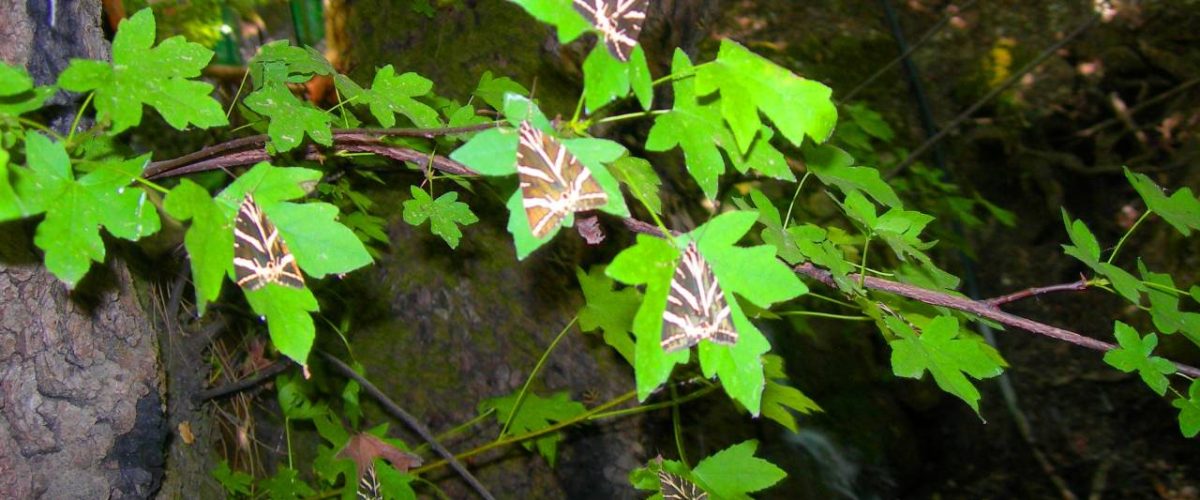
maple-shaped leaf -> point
(611, 311)
(693, 126)
(1087, 250)
(492, 90)
(232, 481)
(444, 214)
(946, 353)
(363, 448)
(735, 471)
(209, 239)
(639, 175)
(834, 167)
(1189, 411)
(280, 62)
(76, 209)
(286, 484)
(749, 84)
(535, 413)
(140, 73)
(1164, 306)
(392, 94)
(1134, 354)
(290, 117)
(780, 400)
(1181, 210)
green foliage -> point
(752, 273)
(833, 167)
(606, 78)
(286, 484)
(1189, 411)
(158, 76)
(233, 482)
(1164, 306)
(1134, 355)
(558, 13)
(1181, 210)
(535, 413)
(10, 206)
(1087, 249)
(778, 398)
(76, 209)
(279, 62)
(735, 471)
(642, 180)
(445, 214)
(209, 239)
(290, 117)
(492, 90)
(392, 94)
(17, 93)
(612, 311)
(948, 354)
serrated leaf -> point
(566, 19)
(780, 400)
(286, 484)
(832, 166)
(17, 93)
(642, 180)
(947, 355)
(286, 311)
(290, 117)
(141, 74)
(1181, 210)
(445, 214)
(694, 127)
(612, 311)
(750, 83)
(392, 94)
(1189, 411)
(320, 243)
(735, 471)
(279, 62)
(492, 90)
(393, 483)
(1134, 354)
(209, 239)
(1085, 247)
(535, 413)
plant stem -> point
(656, 406)
(79, 116)
(825, 315)
(578, 110)
(638, 114)
(830, 300)
(788, 218)
(862, 273)
(236, 95)
(677, 428)
(1125, 236)
(532, 375)
(457, 429)
(30, 123)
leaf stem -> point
(79, 116)
(636, 114)
(656, 406)
(457, 429)
(238, 94)
(1125, 236)
(30, 123)
(578, 110)
(830, 299)
(674, 76)
(788, 219)
(1165, 288)
(677, 428)
(862, 274)
(525, 388)
(818, 314)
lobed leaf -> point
(1134, 354)
(1181, 210)
(444, 214)
(535, 413)
(735, 471)
(611, 311)
(947, 355)
(290, 117)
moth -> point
(696, 306)
(677, 488)
(259, 254)
(619, 21)
(368, 486)
(553, 181)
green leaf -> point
(209, 240)
(612, 311)
(492, 90)
(279, 62)
(17, 93)
(292, 393)
(773, 233)
(268, 184)
(779, 398)
(1164, 306)
(735, 471)
(750, 83)
(535, 413)
(605, 78)
(1085, 247)
(1134, 354)
(232, 481)
(10, 206)
(651, 261)
(321, 244)
(692, 126)
(491, 152)
(559, 13)
(1181, 209)
(286, 311)
(870, 121)
(286, 484)
(834, 167)
(444, 214)
(639, 77)
(949, 356)
(391, 94)
(290, 118)
(642, 180)
(1189, 411)
(393, 483)
(518, 225)
(14, 80)
(753, 273)
(158, 76)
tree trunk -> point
(81, 411)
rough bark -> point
(81, 411)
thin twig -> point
(409, 420)
(1016, 76)
(1075, 286)
(270, 371)
(974, 307)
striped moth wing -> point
(696, 307)
(619, 21)
(553, 181)
(259, 254)
(677, 488)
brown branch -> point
(1075, 286)
(274, 369)
(977, 308)
(409, 420)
